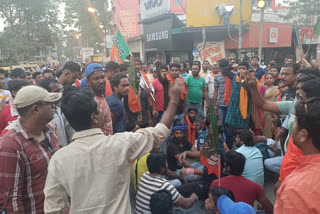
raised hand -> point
(175, 90)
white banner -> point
(212, 52)
(152, 8)
(86, 52)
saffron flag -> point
(120, 43)
(210, 155)
(114, 56)
(121, 51)
(133, 97)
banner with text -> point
(212, 52)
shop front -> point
(276, 42)
(158, 38)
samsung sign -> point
(158, 34)
(161, 35)
(153, 8)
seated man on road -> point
(139, 167)
(190, 122)
(242, 188)
(180, 148)
(273, 162)
(152, 181)
(253, 169)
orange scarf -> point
(145, 77)
(227, 90)
(243, 104)
(184, 92)
(191, 130)
(212, 74)
(108, 90)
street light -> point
(77, 37)
(91, 10)
(261, 4)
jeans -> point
(273, 164)
(191, 178)
(222, 111)
(230, 133)
(198, 107)
(175, 182)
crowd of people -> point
(74, 140)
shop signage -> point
(273, 35)
(158, 34)
(153, 8)
(204, 12)
(87, 52)
(212, 52)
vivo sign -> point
(152, 8)
(152, 4)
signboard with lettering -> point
(87, 52)
(212, 52)
(206, 12)
(158, 34)
(153, 8)
(273, 35)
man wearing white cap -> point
(25, 151)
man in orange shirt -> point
(305, 90)
(300, 192)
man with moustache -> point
(96, 81)
(168, 79)
(180, 148)
(197, 90)
(25, 151)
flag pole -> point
(145, 83)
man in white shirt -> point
(93, 172)
(210, 81)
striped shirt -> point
(4, 94)
(23, 169)
(219, 82)
(148, 185)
